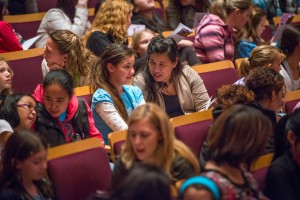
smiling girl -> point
(114, 98)
(62, 117)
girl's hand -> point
(82, 3)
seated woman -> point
(150, 139)
(109, 26)
(62, 117)
(6, 75)
(176, 88)
(17, 7)
(19, 110)
(214, 40)
(65, 50)
(282, 180)
(24, 173)
(250, 37)
(8, 38)
(290, 68)
(261, 56)
(114, 98)
(69, 15)
(144, 13)
(233, 148)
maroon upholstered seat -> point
(260, 176)
(45, 5)
(292, 98)
(78, 175)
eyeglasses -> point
(27, 106)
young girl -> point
(19, 110)
(199, 187)
(24, 168)
(115, 98)
(62, 117)
(251, 36)
(150, 139)
(6, 74)
(290, 68)
(261, 56)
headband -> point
(201, 180)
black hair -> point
(60, 77)
(144, 181)
(9, 111)
(287, 45)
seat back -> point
(260, 168)
(238, 63)
(216, 74)
(44, 6)
(116, 140)
(267, 34)
(192, 129)
(292, 98)
(27, 69)
(85, 92)
(295, 21)
(26, 25)
(78, 169)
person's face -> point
(122, 73)
(161, 67)
(144, 139)
(55, 59)
(144, 5)
(56, 99)
(278, 100)
(5, 76)
(192, 193)
(26, 108)
(187, 2)
(242, 18)
(34, 167)
(276, 64)
(261, 26)
(143, 46)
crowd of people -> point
(139, 84)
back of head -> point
(231, 142)
(263, 81)
(111, 19)
(223, 8)
(69, 43)
(68, 6)
(61, 78)
(261, 56)
(290, 38)
(229, 95)
(20, 146)
(144, 181)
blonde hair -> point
(79, 58)
(136, 39)
(168, 146)
(223, 8)
(260, 56)
(111, 19)
(8, 90)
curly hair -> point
(263, 81)
(111, 19)
(229, 95)
(79, 58)
(261, 56)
